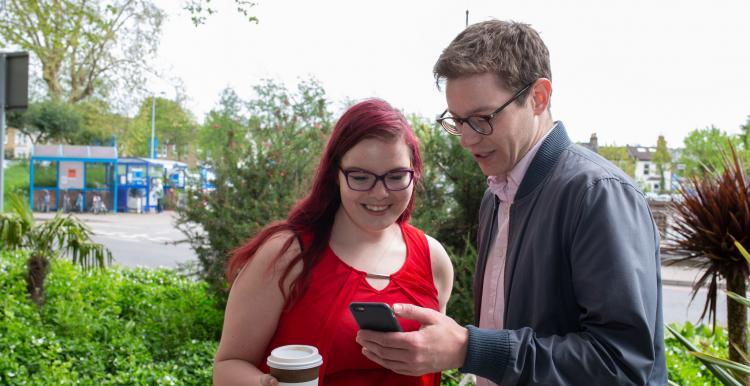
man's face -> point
(514, 131)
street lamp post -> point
(152, 154)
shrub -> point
(263, 166)
(685, 369)
(111, 327)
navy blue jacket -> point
(582, 278)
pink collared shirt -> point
(493, 290)
(505, 188)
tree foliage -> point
(451, 189)
(174, 129)
(225, 124)
(200, 10)
(746, 133)
(85, 47)
(703, 149)
(662, 159)
(86, 123)
(48, 121)
(265, 165)
(619, 156)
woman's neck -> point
(345, 231)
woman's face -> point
(377, 208)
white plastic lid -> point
(294, 357)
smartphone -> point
(375, 316)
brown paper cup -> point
(295, 365)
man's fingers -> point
(394, 365)
(424, 316)
(387, 352)
(397, 340)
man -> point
(567, 286)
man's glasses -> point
(482, 124)
(362, 180)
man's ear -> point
(540, 95)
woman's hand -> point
(267, 380)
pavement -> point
(680, 275)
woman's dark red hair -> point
(314, 214)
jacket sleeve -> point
(613, 250)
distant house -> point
(592, 144)
(17, 144)
(646, 172)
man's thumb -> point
(418, 314)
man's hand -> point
(440, 344)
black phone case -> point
(375, 316)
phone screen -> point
(375, 316)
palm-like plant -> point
(60, 236)
(729, 372)
(713, 214)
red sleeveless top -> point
(321, 316)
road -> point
(677, 298)
(138, 239)
(144, 240)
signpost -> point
(14, 96)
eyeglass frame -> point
(488, 118)
(377, 178)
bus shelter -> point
(139, 181)
(73, 178)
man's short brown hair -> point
(511, 50)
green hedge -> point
(683, 368)
(112, 327)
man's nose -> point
(469, 137)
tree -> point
(48, 121)
(619, 156)
(713, 214)
(200, 10)
(451, 189)
(222, 126)
(447, 204)
(662, 159)
(266, 165)
(86, 123)
(85, 47)
(703, 150)
(100, 124)
(746, 133)
(46, 241)
(175, 129)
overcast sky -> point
(626, 70)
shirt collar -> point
(505, 186)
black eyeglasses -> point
(362, 180)
(482, 124)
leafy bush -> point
(111, 327)
(262, 164)
(447, 205)
(461, 302)
(685, 369)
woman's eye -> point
(359, 177)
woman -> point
(348, 241)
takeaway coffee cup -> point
(295, 365)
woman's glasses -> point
(362, 180)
